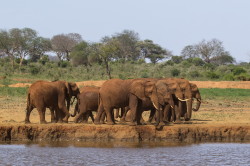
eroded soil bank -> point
(188, 133)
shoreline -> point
(177, 133)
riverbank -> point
(184, 133)
(223, 118)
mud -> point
(178, 133)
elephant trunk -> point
(189, 110)
(197, 105)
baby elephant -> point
(87, 101)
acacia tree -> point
(108, 51)
(209, 51)
(63, 44)
(127, 41)
(152, 51)
(38, 48)
(6, 45)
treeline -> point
(120, 55)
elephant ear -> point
(138, 89)
(193, 87)
(69, 90)
(149, 88)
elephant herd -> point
(168, 100)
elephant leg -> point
(110, 115)
(151, 116)
(52, 113)
(123, 118)
(133, 105)
(99, 114)
(103, 116)
(81, 113)
(166, 113)
(28, 111)
(41, 111)
(91, 116)
(178, 112)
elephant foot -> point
(187, 119)
(110, 123)
(43, 122)
(132, 123)
(97, 122)
(122, 120)
(27, 122)
(177, 122)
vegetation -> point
(24, 54)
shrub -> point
(34, 70)
(238, 70)
(212, 75)
(175, 72)
(228, 77)
(194, 74)
(243, 77)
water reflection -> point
(90, 153)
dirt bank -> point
(175, 133)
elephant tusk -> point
(154, 105)
(172, 107)
(184, 99)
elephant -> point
(195, 94)
(52, 95)
(187, 95)
(87, 101)
(117, 93)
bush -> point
(34, 70)
(194, 74)
(228, 77)
(243, 77)
(175, 72)
(238, 70)
(212, 75)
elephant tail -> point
(28, 101)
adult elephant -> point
(195, 95)
(117, 93)
(180, 104)
(87, 101)
(45, 94)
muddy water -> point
(125, 154)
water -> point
(131, 154)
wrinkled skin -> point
(87, 101)
(44, 94)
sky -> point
(173, 24)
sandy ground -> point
(212, 114)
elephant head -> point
(72, 90)
(196, 95)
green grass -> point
(13, 92)
(214, 93)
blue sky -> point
(173, 24)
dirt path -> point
(200, 84)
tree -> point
(189, 51)
(108, 51)
(63, 44)
(224, 59)
(207, 50)
(6, 45)
(210, 49)
(152, 51)
(127, 42)
(38, 48)
(80, 54)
